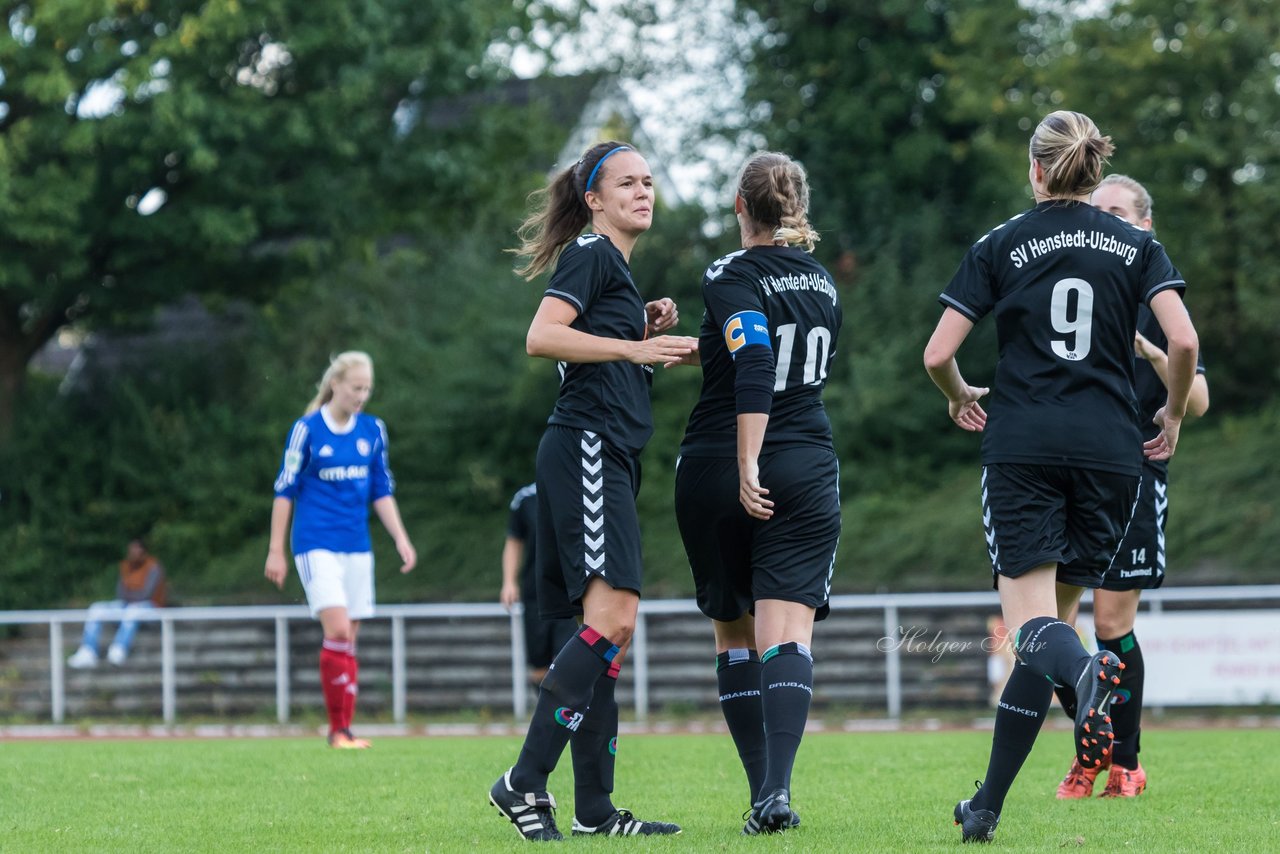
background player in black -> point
(1140, 562)
(1062, 452)
(593, 321)
(757, 492)
(542, 638)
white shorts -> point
(334, 580)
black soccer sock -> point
(593, 749)
(738, 678)
(786, 686)
(562, 700)
(1067, 697)
(1126, 704)
(1022, 710)
(1052, 648)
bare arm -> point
(1184, 345)
(389, 513)
(512, 553)
(1197, 398)
(551, 337)
(751, 429)
(940, 361)
(277, 567)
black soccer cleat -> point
(771, 815)
(975, 825)
(1095, 689)
(533, 813)
(623, 823)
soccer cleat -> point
(116, 654)
(1094, 690)
(975, 825)
(1125, 783)
(771, 815)
(533, 813)
(623, 823)
(84, 658)
(1079, 781)
(343, 740)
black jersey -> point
(780, 299)
(609, 398)
(1065, 281)
(1151, 390)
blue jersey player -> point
(1062, 450)
(757, 492)
(335, 466)
(593, 321)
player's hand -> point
(408, 555)
(509, 596)
(663, 349)
(751, 494)
(966, 412)
(661, 315)
(1145, 348)
(694, 358)
(1163, 445)
(276, 569)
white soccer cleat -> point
(116, 654)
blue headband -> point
(592, 176)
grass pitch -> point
(1209, 789)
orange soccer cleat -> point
(343, 740)
(1079, 782)
(1125, 783)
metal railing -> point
(889, 604)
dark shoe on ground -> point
(533, 813)
(1095, 689)
(623, 823)
(771, 814)
(975, 825)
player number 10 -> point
(817, 348)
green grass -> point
(1210, 789)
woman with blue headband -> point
(606, 339)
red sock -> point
(334, 676)
(352, 690)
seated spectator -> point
(141, 587)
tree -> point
(153, 149)
(1188, 92)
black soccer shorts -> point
(587, 522)
(1038, 514)
(737, 560)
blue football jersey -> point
(332, 478)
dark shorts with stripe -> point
(737, 560)
(587, 522)
(1140, 562)
(1038, 514)
(544, 638)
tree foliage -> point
(169, 147)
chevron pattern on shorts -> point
(993, 550)
(1162, 507)
(592, 502)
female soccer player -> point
(335, 464)
(593, 321)
(1139, 564)
(757, 492)
(1062, 450)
